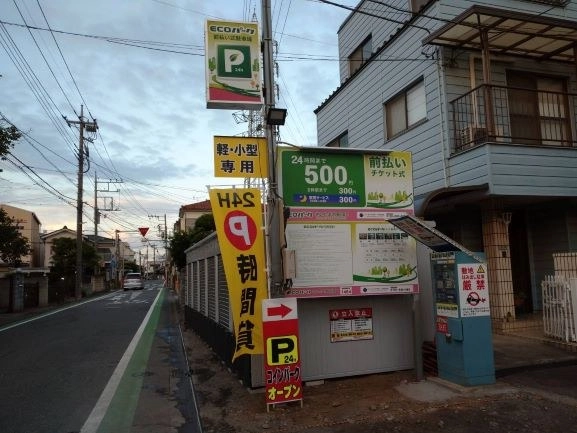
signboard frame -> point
(232, 65)
(339, 202)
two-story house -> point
(189, 213)
(484, 95)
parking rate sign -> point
(282, 365)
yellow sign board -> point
(239, 226)
(282, 350)
(240, 157)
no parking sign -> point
(282, 365)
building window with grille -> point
(405, 110)
(360, 56)
(341, 141)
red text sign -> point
(282, 365)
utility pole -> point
(89, 127)
(165, 252)
(274, 245)
(97, 209)
(164, 235)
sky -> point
(137, 67)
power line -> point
(63, 59)
(43, 56)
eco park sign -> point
(338, 239)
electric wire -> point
(64, 60)
(43, 56)
(33, 82)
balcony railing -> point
(514, 115)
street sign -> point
(282, 359)
(143, 230)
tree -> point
(8, 135)
(63, 264)
(178, 244)
(12, 244)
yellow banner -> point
(239, 226)
(240, 157)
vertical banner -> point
(232, 65)
(282, 366)
(238, 219)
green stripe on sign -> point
(120, 414)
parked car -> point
(133, 280)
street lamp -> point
(276, 116)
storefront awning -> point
(509, 33)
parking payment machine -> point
(462, 316)
(463, 334)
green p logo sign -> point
(234, 61)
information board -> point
(337, 224)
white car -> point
(133, 280)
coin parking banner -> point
(238, 219)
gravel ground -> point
(371, 404)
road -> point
(97, 367)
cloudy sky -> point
(137, 67)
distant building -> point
(48, 243)
(28, 225)
(189, 213)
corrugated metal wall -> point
(390, 349)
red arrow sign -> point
(143, 230)
(282, 310)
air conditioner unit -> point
(472, 135)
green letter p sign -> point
(234, 61)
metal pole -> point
(78, 286)
(275, 277)
(96, 217)
(166, 254)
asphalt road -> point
(57, 370)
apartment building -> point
(484, 95)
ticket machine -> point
(463, 334)
(462, 316)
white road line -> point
(41, 316)
(95, 418)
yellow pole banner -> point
(239, 226)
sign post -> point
(281, 346)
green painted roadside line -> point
(120, 414)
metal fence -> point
(511, 115)
(560, 307)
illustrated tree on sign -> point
(12, 244)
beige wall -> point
(47, 246)
(29, 227)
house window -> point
(360, 56)
(406, 109)
(538, 109)
(341, 141)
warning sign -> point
(351, 324)
(473, 290)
